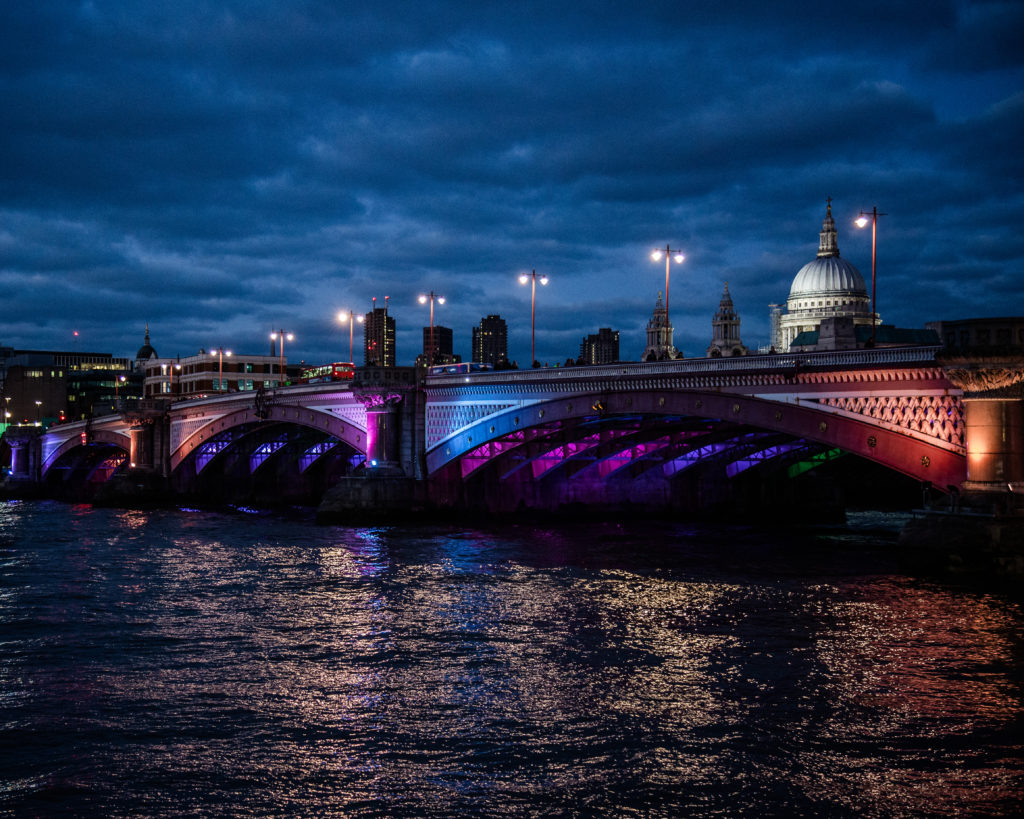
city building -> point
(725, 330)
(49, 386)
(601, 347)
(207, 373)
(980, 335)
(659, 336)
(442, 343)
(827, 287)
(443, 348)
(490, 341)
(841, 333)
(775, 328)
(378, 338)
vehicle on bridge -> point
(462, 367)
(338, 371)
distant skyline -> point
(222, 170)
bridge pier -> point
(993, 399)
(25, 453)
(388, 488)
(982, 531)
(995, 444)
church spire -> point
(827, 245)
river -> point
(193, 663)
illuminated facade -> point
(659, 336)
(490, 341)
(201, 374)
(601, 347)
(828, 287)
(725, 334)
(378, 339)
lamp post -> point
(117, 392)
(282, 335)
(220, 373)
(862, 221)
(670, 255)
(38, 405)
(351, 318)
(169, 369)
(532, 278)
(423, 300)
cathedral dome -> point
(827, 276)
(146, 351)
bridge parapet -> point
(776, 364)
(899, 389)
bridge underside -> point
(265, 462)
(79, 469)
(683, 451)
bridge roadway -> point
(522, 429)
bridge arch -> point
(324, 422)
(113, 439)
(914, 456)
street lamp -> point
(423, 300)
(670, 256)
(532, 278)
(861, 222)
(117, 392)
(170, 368)
(220, 374)
(282, 335)
(351, 318)
(38, 405)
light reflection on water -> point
(168, 663)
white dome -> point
(828, 275)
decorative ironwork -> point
(261, 404)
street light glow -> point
(862, 221)
(667, 253)
(440, 300)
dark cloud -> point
(223, 169)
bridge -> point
(636, 432)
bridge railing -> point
(884, 356)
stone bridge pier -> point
(392, 481)
(26, 450)
(993, 399)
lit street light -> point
(117, 391)
(38, 405)
(423, 300)
(532, 278)
(282, 335)
(170, 368)
(351, 318)
(670, 255)
(220, 375)
(861, 222)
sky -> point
(219, 170)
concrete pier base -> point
(374, 499)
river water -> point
(190, 663)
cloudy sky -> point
(221, 169)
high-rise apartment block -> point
(601, 347)
(379, 339)
(440, 346)
(490, 341)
